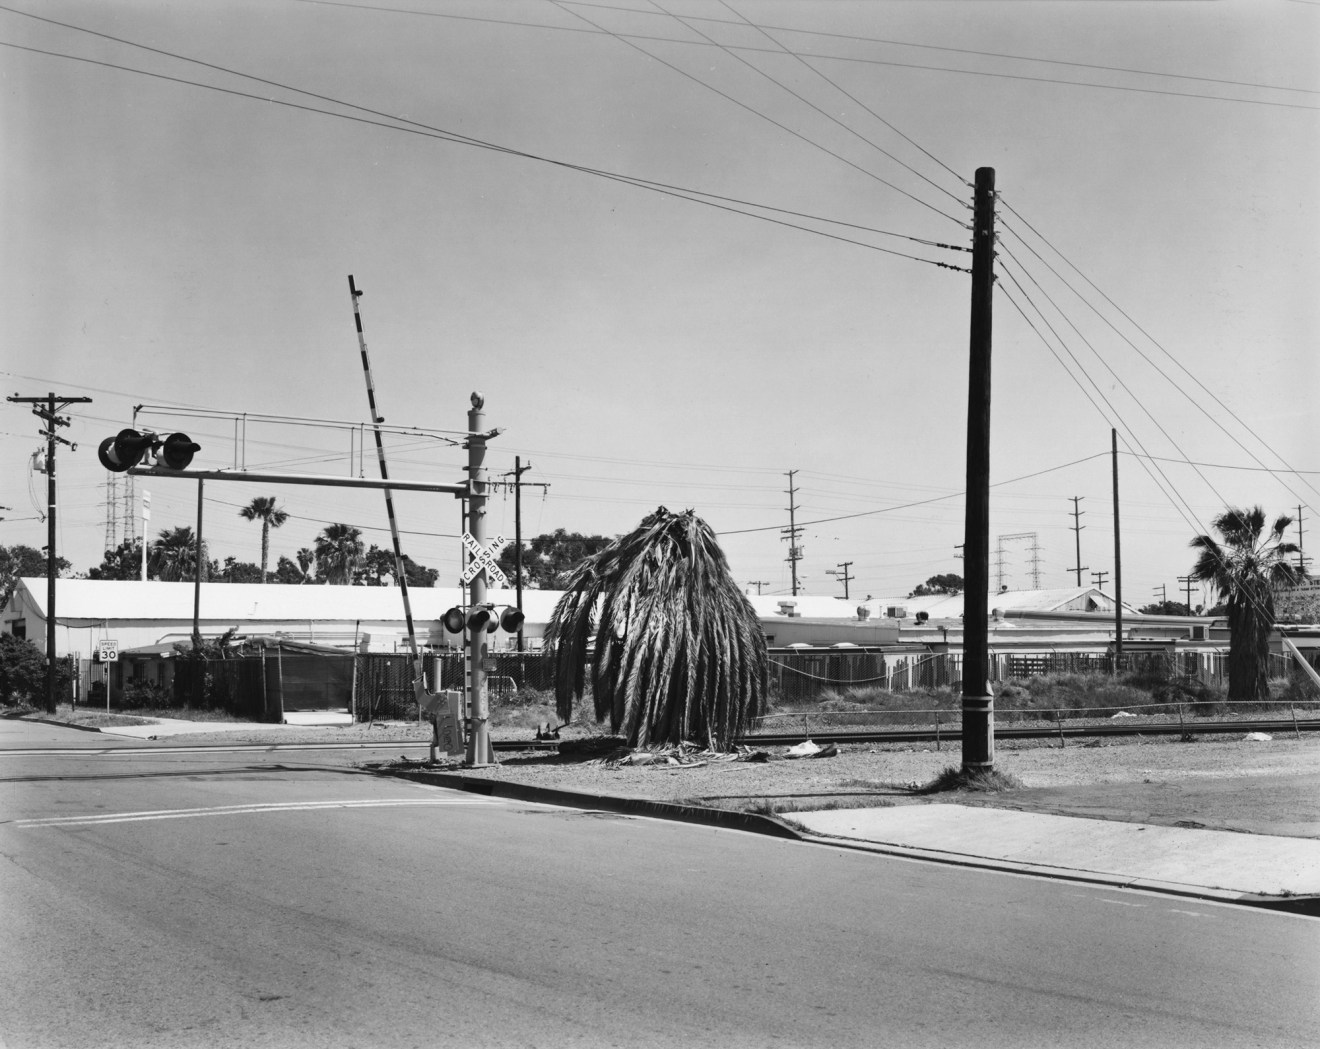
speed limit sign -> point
(108, 651)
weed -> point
(953, 778)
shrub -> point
(143, 695)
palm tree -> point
(305, 561)
(1246, 570)
(338, 550)
(263, 509)
(678, 654)
(173, 556)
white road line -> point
(243, 810)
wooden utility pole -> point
(47, 410)
(1118, 560)
(517, 471)
(792, 532)
(978, 736)
(1077, 527)
(1187, 581)
(843, 576)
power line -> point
(870, 61)
(750, 109)
(1108, 367)
(694, 196)
(1153, 341)
(919, 502)
(1193, 401)
(828, 116)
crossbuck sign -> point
(483, 559)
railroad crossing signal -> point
(483, 559)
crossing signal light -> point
(129, 447)
(124, 450)
(176, 451)
(484, 617)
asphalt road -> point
(181, 900)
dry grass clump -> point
(954, 778)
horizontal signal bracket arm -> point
(262, 477)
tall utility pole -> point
(1187, 581)
(1162, 590)
(758, 583)
(844, 577)
(48, 411)
(978, 727)
(1301, 558)
(792, 532)
(1098, 578)
(517, 472)
(1118, 560)
(1077, 527)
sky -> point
(693, 253)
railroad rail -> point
(1058, 730)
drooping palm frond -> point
(678, 654)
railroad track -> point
(1060, 730)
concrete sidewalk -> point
(159, 728)
(1208, 864)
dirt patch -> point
(1270, 787)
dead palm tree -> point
(1245, 570)
(676, 650)
(263, 509)
(338, 550)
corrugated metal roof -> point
(810, 607)
(100, 599)
(950, 606)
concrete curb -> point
(57, 724)
(772, 827)
(1304, 905)
(725, 818)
